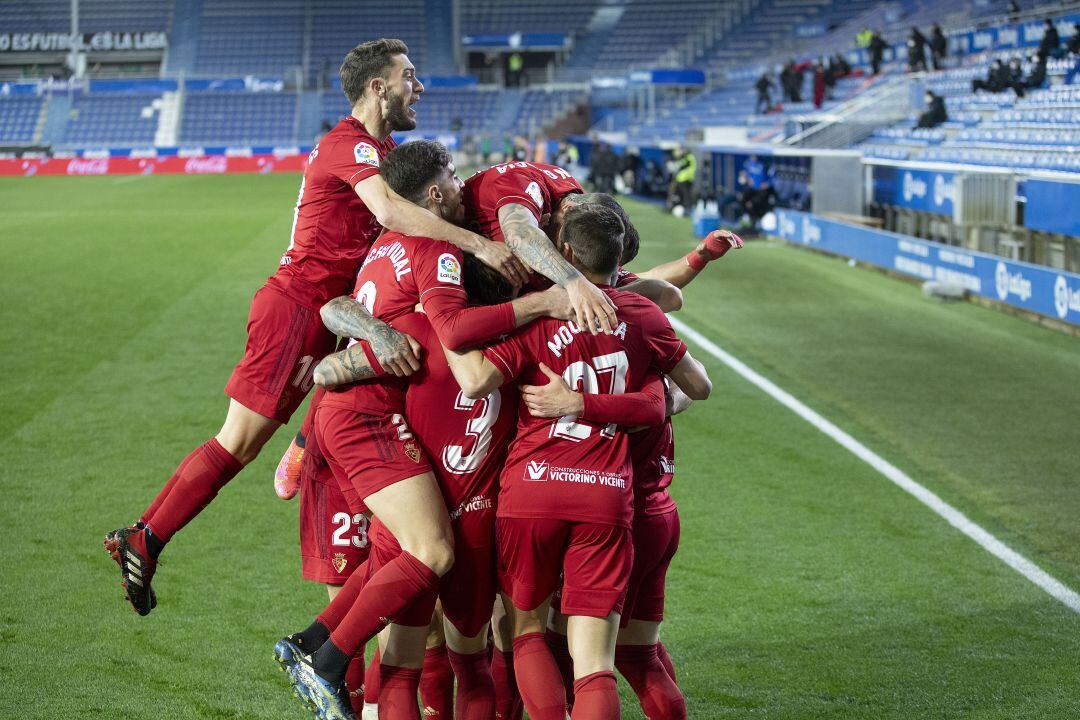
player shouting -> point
(567, 482)
(342, 207)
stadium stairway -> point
(510, 101)
(311, 114)
(57, 109)
(184, 39)
(587, 48)
(440, 43)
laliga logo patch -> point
(365, 154)
(535, 471)
(340, 562)
(449, 269)
(1001, 281)
(533, 191)
(412, 450)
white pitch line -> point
(954, 517)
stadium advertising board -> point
(1049, 292)
(106, 41)
(926, 190)
(167, 165)
(1051, 206)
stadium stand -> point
(111, 119)
(19, 117)
(95, 15)
(239, 118)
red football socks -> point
(475, 686)
(538, 677)
(386, 593)
(164, 492)
(665, 660)
(397, 696)
(437, 684)
(196, 482)
(659, 695)
(354, 681)
(373, 680)
(508, 705)
(560, 650)
(339, 607)
(597, 697)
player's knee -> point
(437, 553)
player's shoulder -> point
(350, 137)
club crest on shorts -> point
(340, 561)
(365, 154)
(449, 269)
(412, 450)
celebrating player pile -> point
(473, 486)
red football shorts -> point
(467, 591)
(333, 530)
(366, 452)
(594, 560)
(656, 539)
(285, 342)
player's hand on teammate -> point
(499, 257)
(557, 303)
(398, 353)
(554, 399)
(593, 310)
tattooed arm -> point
(593, 310)
(347, 366)
(398, 353)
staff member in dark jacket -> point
(877, 51)
(1051, 41)
(939, 46)
(916, 48)
(935, 113)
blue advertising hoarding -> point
(1049, 292)
(1052, 206)
(927, 190)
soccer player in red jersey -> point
(510, 203)
(342, 207)
(639, 656)
(567, 482)
(362, 428)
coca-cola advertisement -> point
(200, 165)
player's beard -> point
(397, 113)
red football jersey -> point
(466, 440)
(569, 468)
(537, 186)
(652, 452)
(332, 227)
(399, 272)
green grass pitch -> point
(807, 585)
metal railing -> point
(855, 120)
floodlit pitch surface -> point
(808, 586)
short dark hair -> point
(631, 239)
(595, 233)
(366, 61)
(410, 169)
(484, 285)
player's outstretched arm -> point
(593, 310)
(668, 297)
(691, 377)
(345, 366)
(680, 272)
(677, 400)
(397, 353)
(556, 399)
(477, 376)
(396, 213)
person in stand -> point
(1050, 45)
(819, 85)
(1073, 45)
(787, 79)
(916, 46)
(1037, 76)
(997, 79)
(764, 86)
(877, 51)
(935, 113)
(939, 46)
(1013, 11)
(1015, 72)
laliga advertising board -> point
(1049, 292)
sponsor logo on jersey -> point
(365, 154)
(585, 476)
(536, 471)
(533, 191)
(340, 561)
(449, 269)
(667, 466)
(473, 504)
